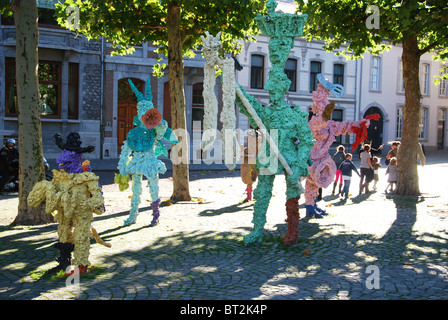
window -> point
(73, 81)
(291, 73)
(375, 73)
(50, 83)
(338, 74)
(423, 123)
(315, 69)
(337, 115)
(399, 131)
(50, 88)
(197, 113)
(443, 84)
(256, 72)
(425, 79)
(400, 78)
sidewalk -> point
(374, 246)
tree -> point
(370, 26)
(31, 166)
(175, 26)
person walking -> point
(366, 168)
(346, 168)
(338, 158)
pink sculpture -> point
(323, 170)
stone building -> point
(70, 84)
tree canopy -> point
(369, 26)
(128, 23)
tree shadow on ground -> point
(210, 265)
(241, 206)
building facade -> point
(70, 85)
(381, 90)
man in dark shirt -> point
(9, 160)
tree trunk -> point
(408, 184)
(176, 80)
(31, 167)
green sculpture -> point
(281, 120)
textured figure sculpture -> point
(248, 171)
(139, 154)
(323, 169)
(71, 156)
(279, 120)
(73, 198)
(230, 150)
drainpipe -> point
(360, 90)
(101, 100)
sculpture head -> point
(146, 113)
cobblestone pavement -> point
(374, 246)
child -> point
(392, 170)
(376, 166)
(346, 168)
(338, 158)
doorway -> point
(126, 108)
(375, 130)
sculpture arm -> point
(258, 107)
(161, 129)
(124, 157)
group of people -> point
(368, 169)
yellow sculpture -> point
(72, 198)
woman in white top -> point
(366, 168)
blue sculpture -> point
(140, 151)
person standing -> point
(9, 157)
(346, 168)
(366, 168)
(376, 166)
(338, 158)
(392, 170)
(393, 152)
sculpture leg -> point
(82, 234)
(135, 201)
(249, 193)
(262, 195)
(64, 259)
(292, 213)
(153, 185)
(64, 246)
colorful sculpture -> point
(73, 196)
(71, 155)
(248, 171)
(280, 120)
(139, 154)
(323, 169)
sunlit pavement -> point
(373, 246)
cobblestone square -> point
(373, 247)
